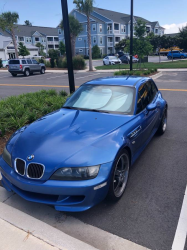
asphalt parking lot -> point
(149, 210)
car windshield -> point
(112, 57)
(103, 98)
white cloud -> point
(173, 28)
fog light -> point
(100, 186)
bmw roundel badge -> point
(30, 157)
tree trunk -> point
(73, 39)
(89, 44)
(14, 42)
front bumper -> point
(72, 196)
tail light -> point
(20, 66)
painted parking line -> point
(88, 76)
(174, 90)
(28, 85)
(56, 76)
(181, 231)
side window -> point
(29, 61)
(34, 62)
(142, 101)
(24, 62)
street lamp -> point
(68, 45)
(131, 36)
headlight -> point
(7, 157)
(76, 174)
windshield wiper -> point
(96, 110)
(68, 107)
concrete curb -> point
(40, 230)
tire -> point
(163, 123)
(110, 63)
(14, 74)
(119, 177)
(169, 57)
(103, 63)
(42, 71)
(27, 72)
(182, 57)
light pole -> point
(68, 45)
(131, 36)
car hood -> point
(69, 137)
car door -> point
(36, 65)
(29, 63)
(152, 117)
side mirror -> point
(151, 107)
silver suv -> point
(25, 66)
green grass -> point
(166, 65)
(17, 111)
(135, 72)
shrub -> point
(47, 63)
(52, 62)
(17, 111)
(96, 52)
(41, 60)
(78, 63)
(1, 64)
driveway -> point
(148, 213)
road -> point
(154, 59)
(149, 210)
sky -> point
(171, 14)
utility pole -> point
(68, 45)
(131, 36)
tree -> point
(75, 29)
(8, 20)
(121, 45)
(62, 48)
(86, 6)
(41, 48)
(96, 53)
(141, 44)
(28, 23)
(182, 38)
(23, 51)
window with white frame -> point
(123, 28)
(79, 39)
(21, 39)
(59, 31)
(28, 39)
(80, 50)
(94, 27)
(101, 51)
(101, 40)
(156, 31)
(94, 39)
(100, 28)
(43, 40)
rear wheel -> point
(42, 71)
(169, 57)
(163, 123)
(103, 63)
(27, 72)
(14, 74)
(119, 176)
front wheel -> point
(182, 57)
(42, 71)
(163, 123)
(169, 57)
(119, 176)
(27, 72)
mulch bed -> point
(3, 141)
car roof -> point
(132, 81)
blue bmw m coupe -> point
(76, 156)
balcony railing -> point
(110, 44)
(50, 42)
(116, 31)
(109, 31)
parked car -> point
(111, 60)
(120, 53)
(76, 156)
(111, 54)
(124, 59)
(25, 66)
(176, 54)
(5, 63)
